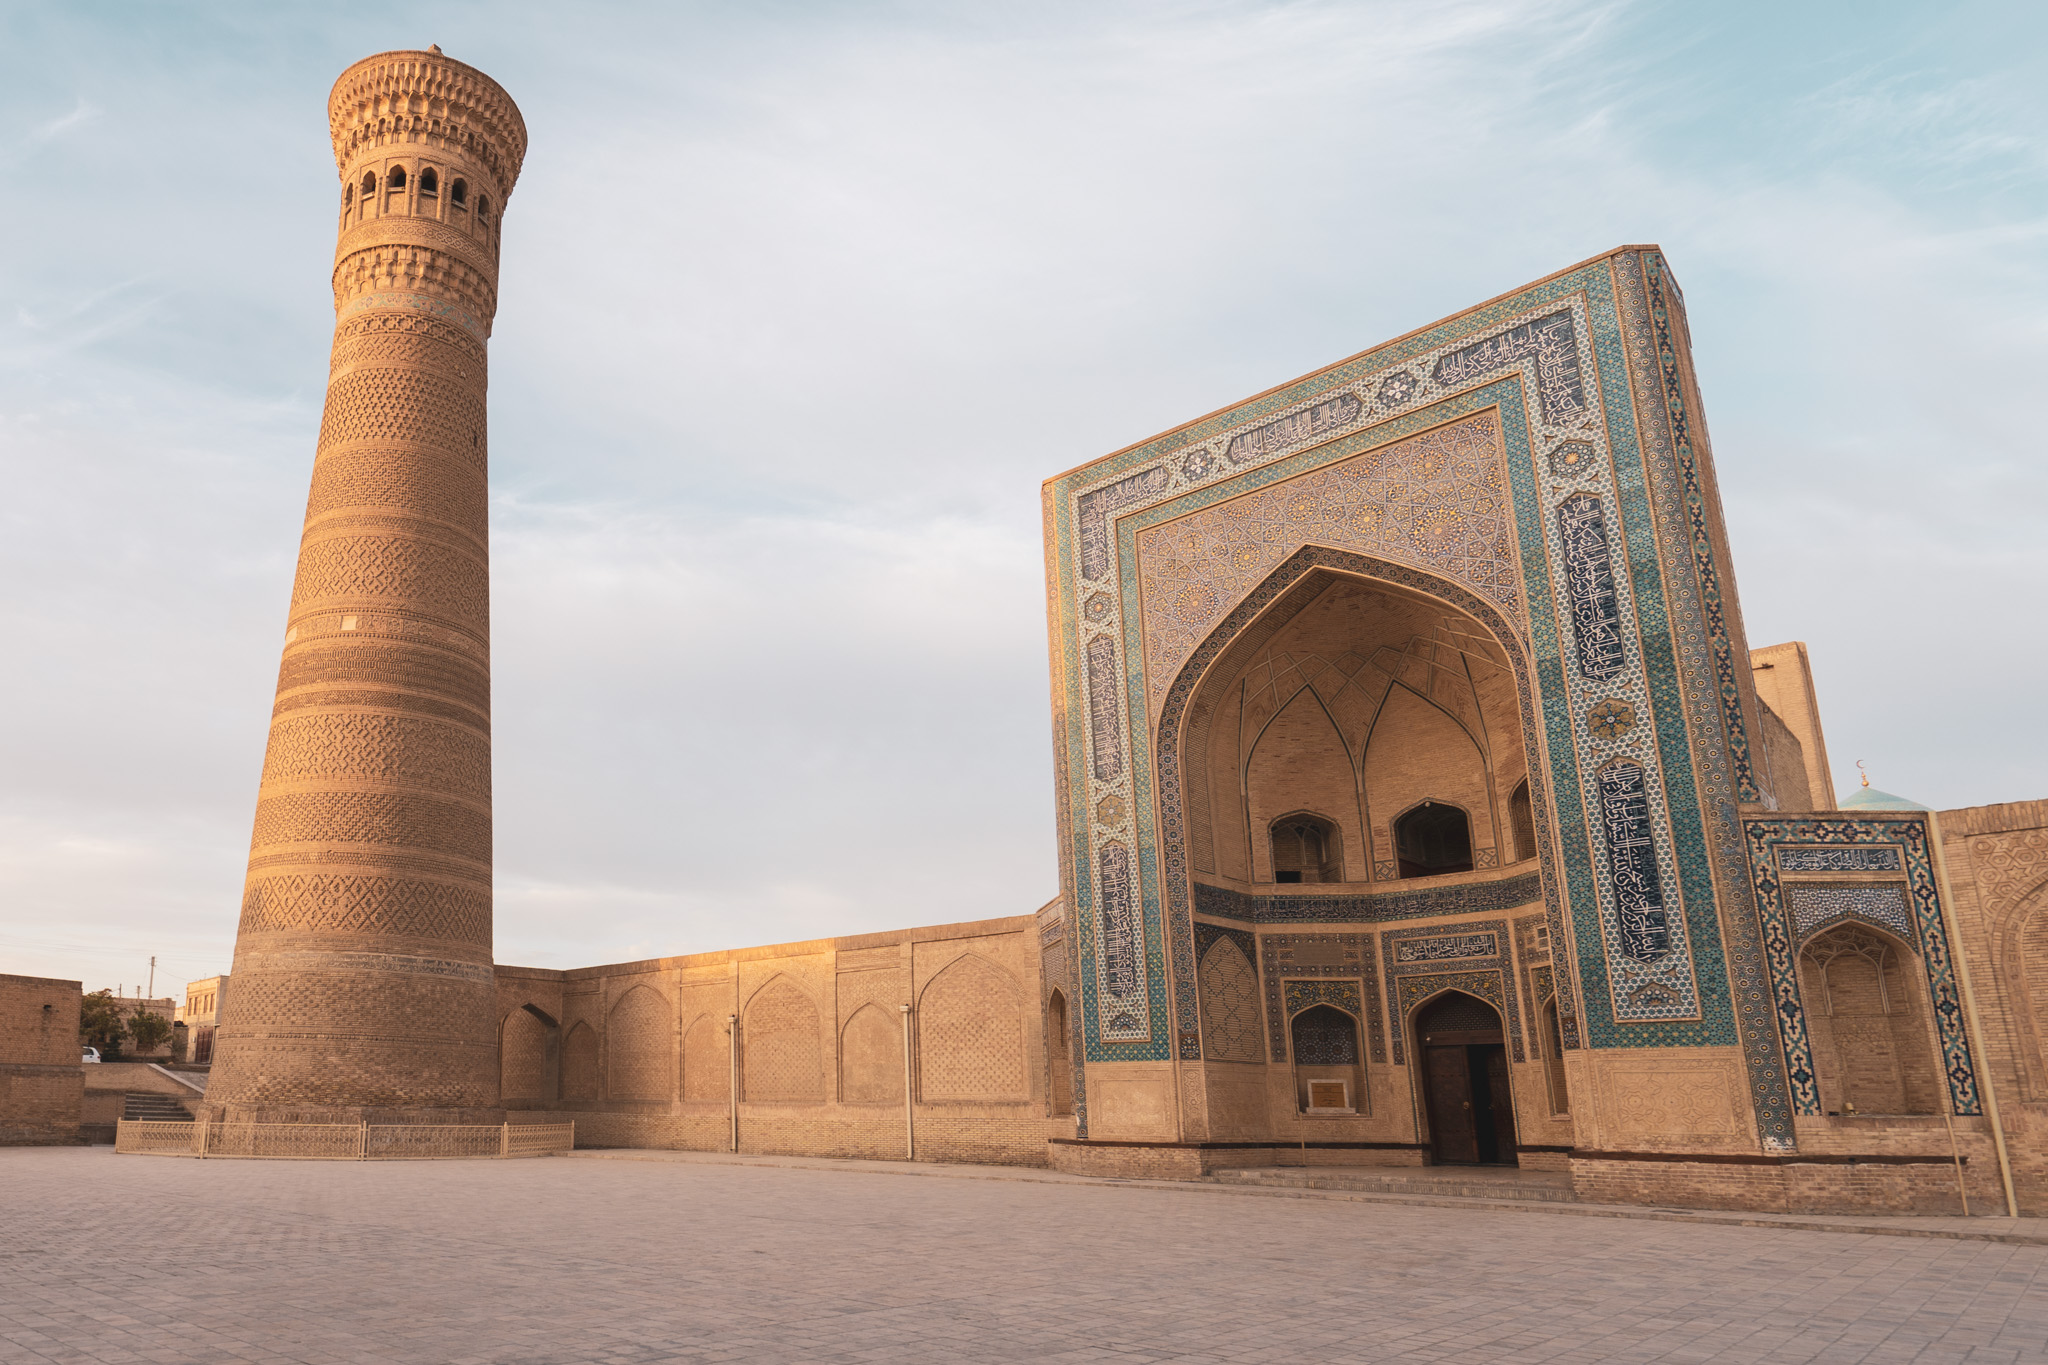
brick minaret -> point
(362, 972)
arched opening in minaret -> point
(458, 192)
(1356, 730)
(369, 183)
(429, 182)
(396, 179)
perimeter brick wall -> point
(42, 1083)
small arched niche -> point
(430, 183)
(1328, 1075)
(369, 183)
(1553, 1058)
(1432, 839)
(395, 179)
(579, 1063)
(1059, 1055)
(1869, 1023)
(529, 1057)
(1522, 821)
(458, 192)
(1306, 848)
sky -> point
(801, 302)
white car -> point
(92, 1054)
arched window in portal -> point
(1305, 849)
(1433, 838)
(1522, 819)
(1866, 1014)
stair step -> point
(152, 1108)
(1539, 1188)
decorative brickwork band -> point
(363, 957)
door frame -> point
(1417, 1067)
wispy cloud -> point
(82, 113)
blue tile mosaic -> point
(1824, 859)
(1375, 907)
(1290, 959)
(1631, 851)
(1589, 585)
(1411, 981)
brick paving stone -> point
(546, 1262)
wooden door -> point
(1447, 1077)
(1502, 1102)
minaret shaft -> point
(362, 971)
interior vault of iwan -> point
(1366, 703)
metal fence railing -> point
(343, 1141)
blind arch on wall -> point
(970, 1033)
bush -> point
(150, 1031)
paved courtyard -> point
(141, 1259)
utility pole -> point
(151, 989)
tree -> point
(100, 1024)
(150, 1031)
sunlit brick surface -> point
(363, 959)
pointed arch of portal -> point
(1265, 610)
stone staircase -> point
(153, 1108)
(1455, 1182)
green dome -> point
(1870, 798)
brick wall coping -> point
(1759, 1159)
(889, 938)
(2004, 818)
(1276, 1144)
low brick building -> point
(200, 1015)
(42, 1082)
